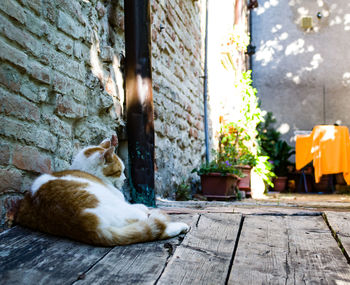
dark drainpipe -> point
(205, 91)
(139, 101)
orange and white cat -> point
(83, 204)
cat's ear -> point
(109, 143)
(108, 154)
(114, 140)
(106, 144)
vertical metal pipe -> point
(139, 101)
(205, 91)
(251, 41)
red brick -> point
(18, 107)
(20, 36)
(68, 25)
(73, 8)
(10, 78)
(67, 107)
(39, 72)
(29, 158)
(68, 86)
(13, 55)
(10, 180)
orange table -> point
(328, 147)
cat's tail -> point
(155, 227)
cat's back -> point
(57, 202)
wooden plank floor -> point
(221, 248)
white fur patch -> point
(174, 229)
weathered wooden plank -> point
(137, 263)
(340, 224)
(28, 257)
(205, 254)
(288, 250)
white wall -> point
(303, 77)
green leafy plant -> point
(240, 140)
(220, 164)
(183, 192)
(273, 146)
(280, 158)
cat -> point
(82, 203)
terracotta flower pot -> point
(244, 182)
(219, 187)
(280, 183)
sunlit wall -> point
(303, 74)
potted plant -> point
(236, 143)
(278, 150)
(219, 178)
(280, 158)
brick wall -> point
(61, 87)
(177, 60)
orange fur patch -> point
(57, 208)
(113, 167)
(78, 173)
(90, 151)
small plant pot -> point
(244, 182)
(280, 183)
(216, 186)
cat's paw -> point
(185, 228)
(176, 228)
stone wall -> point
(61, 87)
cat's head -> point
(102, 161)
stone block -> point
(60, 164)
(58, 126)
(29, 158)
(64, 149)
(93, 130)
(12, 105)
(10, 180)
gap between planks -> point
(339, 230)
